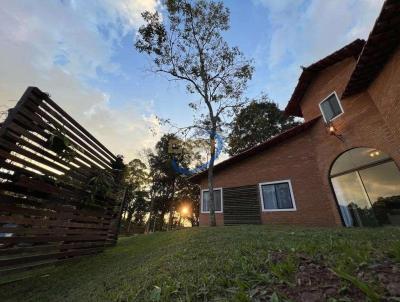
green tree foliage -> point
(256, 123)
(137, 181)
(164, 178)
(136, 174)
(187, 45)
(169, 188)
(141, 207)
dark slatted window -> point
(217, 201)
(277, 196)
(331, 108)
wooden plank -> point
(42, 160)
(20, 231)
(49, 223)
(62, 164)
(49, 101)
(55, 205)
(40, 239)
(27, 211)
(33, 184)
(104, 153)
(47, 247)
(20, 131)
(48, 214)
(40, 126)
(41, 115)
(35, 258)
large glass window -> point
(330, 107)
(277, 196)
(205, 207)
(367, 186)
(352, 200)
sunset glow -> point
(184, 211)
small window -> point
(277, 196)
(206, 199)
(331, 107)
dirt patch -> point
(386, 274)
(315, 282)
(311, 282)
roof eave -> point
(382, 42)
(284, 136)
(307, 76)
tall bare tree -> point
(187, 45)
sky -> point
(82, 53)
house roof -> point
(383, 40)
(372, 55)
(310, 72)
(258, 148)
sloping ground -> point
(241, 263)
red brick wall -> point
(333, 78)
(361, 125)
(385, 93)
(286, 161)
(204, 219)
(370, 119)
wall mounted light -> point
(333, 131)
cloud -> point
(303, 32)
(60, 46)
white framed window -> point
(277, 196)
(331, 107)
(218, 200)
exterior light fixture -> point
(374, 153)
(333, 131)
(331, 128)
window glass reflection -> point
(382, 183)
(353, 201)
(367, 195)
(217, 201)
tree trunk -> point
(171, 208)
(148, 226)
(211, 179)
(129, 219)
(162, 219)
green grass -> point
(214, 264)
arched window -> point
(367, 187)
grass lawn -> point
(244, 263)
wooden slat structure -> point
(241, 205)
(49, 209)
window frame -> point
(322, 111)
(222, 200)
(288, 181)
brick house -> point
(341, 166)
